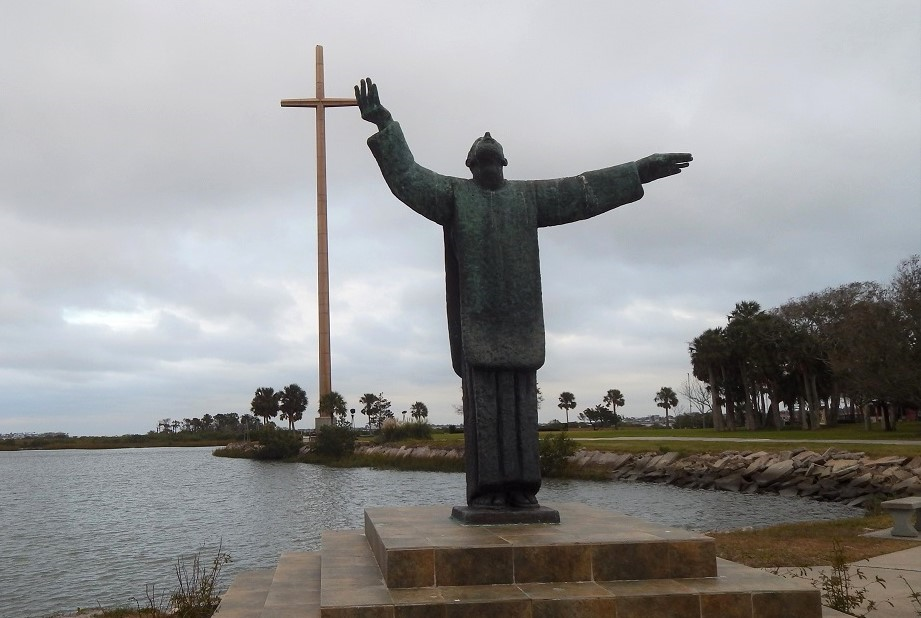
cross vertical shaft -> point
(320, 103)
(326, 385)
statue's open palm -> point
(369, 103)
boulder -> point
(840, 466)
(774, 473)
(806, 456)
(908, 487)
(757, 465)
(733, 482)
(892, 460)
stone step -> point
(295, 591)
(353, 587)
(351, 583)
(246, 598)
(246, 595)
(291, 590)
(346, 580)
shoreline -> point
(835, 475)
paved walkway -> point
(767, 440)
(901, 573)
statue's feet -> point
(522, 500)
(490, 501)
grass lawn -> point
(656, 439)
(807, 544)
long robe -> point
(495, 312)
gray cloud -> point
(156, 203)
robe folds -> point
(493, 293)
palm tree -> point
(666, 398)
(293, 403)
(369, 401)
(614, 398)
(709, 355)
(567, 403)
(743, 336)
(419, 411)
(265, 403)
(333, 405)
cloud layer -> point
(157, 204)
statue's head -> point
(486, 161)
(485, 150)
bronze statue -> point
(492, 272)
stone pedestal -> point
(477, 516)
(418, 562)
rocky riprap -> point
(834, 475)
(420, 452)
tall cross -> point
(321, 102)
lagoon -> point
(90, 528)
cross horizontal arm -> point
(318, 102)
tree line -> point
(291, 403)
(605, 414)
(843, 350)
(208, 423)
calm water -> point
(90, 528)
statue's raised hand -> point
(370, 104)
(659, 166)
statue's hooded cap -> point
(485, 144)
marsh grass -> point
(112, 442)
(196, 594)
(427, 464)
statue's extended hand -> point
(659, 166)
(370, 104)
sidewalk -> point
(891, 568)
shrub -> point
(335, 442)
(197, 595)
(394, 432)
(554, 451)
(278, 444)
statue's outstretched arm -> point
(369, 103)
(659, 166)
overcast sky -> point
(157, 205)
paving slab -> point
(246, 596)
(901, 574)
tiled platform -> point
(420, 547)
(417, 562)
